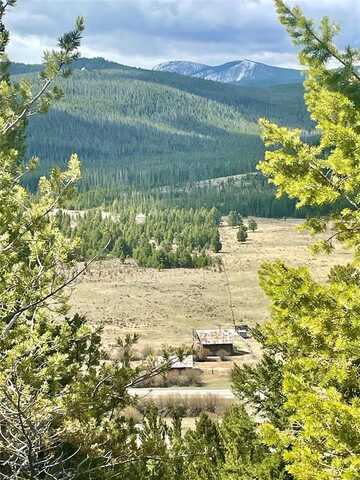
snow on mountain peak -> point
(181, 67)
(244, 72)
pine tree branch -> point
(3, 8)
(29, 225)
(68, 44)
(53, 293)
(27, 108)
(332, 185)
(311, 32)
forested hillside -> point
(143, 129)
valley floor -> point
(163, 307)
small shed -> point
(185, 363)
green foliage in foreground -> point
(315, 327)
(306, 389)
(154, 236)
(61, 397)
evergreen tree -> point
(234, 219)
(252, 225)
(166, 235)
(241, 234)
(145, 126)
(204, 451)
(216, 244)
(314, 330)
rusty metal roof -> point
(219, 336)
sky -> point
(144, 33)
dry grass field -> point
(164, 306)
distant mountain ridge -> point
(182, 68)
(240, 72)
(97, 63)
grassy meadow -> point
(163, 307)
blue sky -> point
(146, 32)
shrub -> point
(234, 219)
(179, 378)
(252, 225)
(242, 234)
(186, 405)
(192, 377)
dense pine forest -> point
(140, 130)
(153, 236)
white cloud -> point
(146, 32)
(28, 48)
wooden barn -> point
(217, 341)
